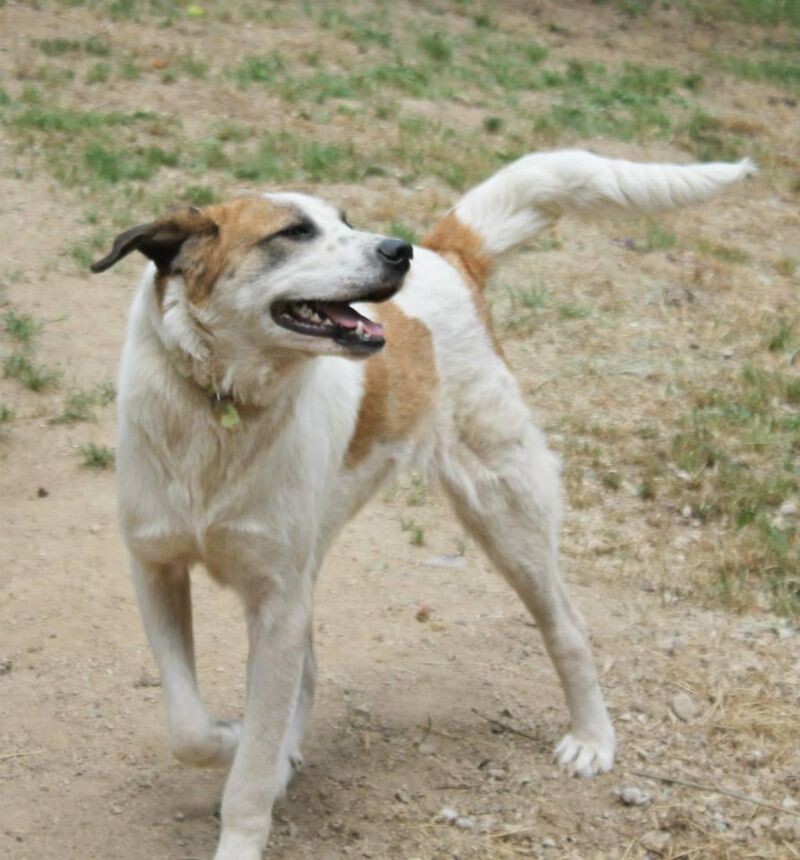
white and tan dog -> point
(259, 410)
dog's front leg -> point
(278, 629)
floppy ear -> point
(160, 240)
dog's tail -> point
(530, 194)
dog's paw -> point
(239, 846)
(215, 746)
(584, 756)
(287, 769)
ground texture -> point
(661, 359)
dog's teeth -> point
(360, 329)
(327, 322)
(315, 317)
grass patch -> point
(737, 458)
(415, 531)
(656, 239)
(723, 252)
(36, 377)
(93, 46)
(96, 456)
(80, 405)
(773, 71)
(21, 327)
(6, 414)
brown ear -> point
(160, 240)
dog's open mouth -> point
(336, 320)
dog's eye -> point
(303, 230)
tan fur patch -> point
(226, 232)
(452, 236)
(463, 248)
(399, 383)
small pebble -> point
(464, 823)
(630, 795)
(423, 613)
(5, 666)
(179, 816)
(684, 707)
(655, 841)
(447, 814)
(42, 493)
(549, 843)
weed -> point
(723, 252)
(417, 492)
(786, 266)
(111, 165)
(94, 46)
(724, 478)
(657, 239)
(436, 46)
(781, 337)
(402, 231)
(21, 327)
(416, 532)
(709, 140)
(98, 74)
(6, 414)
(79, 405)
(19, 365)
(200, 195)
(570, 311)
(612, 480)
(96, 456)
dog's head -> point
(280, 270)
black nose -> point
(396, 252)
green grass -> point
(21, 327)
(723, 252)
(6, 414)
(96, 456)
(93, 46)
(738, 451)
(36, 377)
(772, 70)
(415, 531)
(656, 239)
(79, 405)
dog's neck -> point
(233, 383)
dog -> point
(274, 375)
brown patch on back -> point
(240, 225)
(451, 236)
(463, 248)
(399, 384)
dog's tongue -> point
(345, 317)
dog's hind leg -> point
(505, 487)
(164, 596)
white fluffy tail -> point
(524, 198)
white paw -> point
(286, 771)
(584, 756)
(239, 846)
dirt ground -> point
(403, 723)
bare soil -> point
(402, 724)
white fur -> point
(527, 196)
(259, 507)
